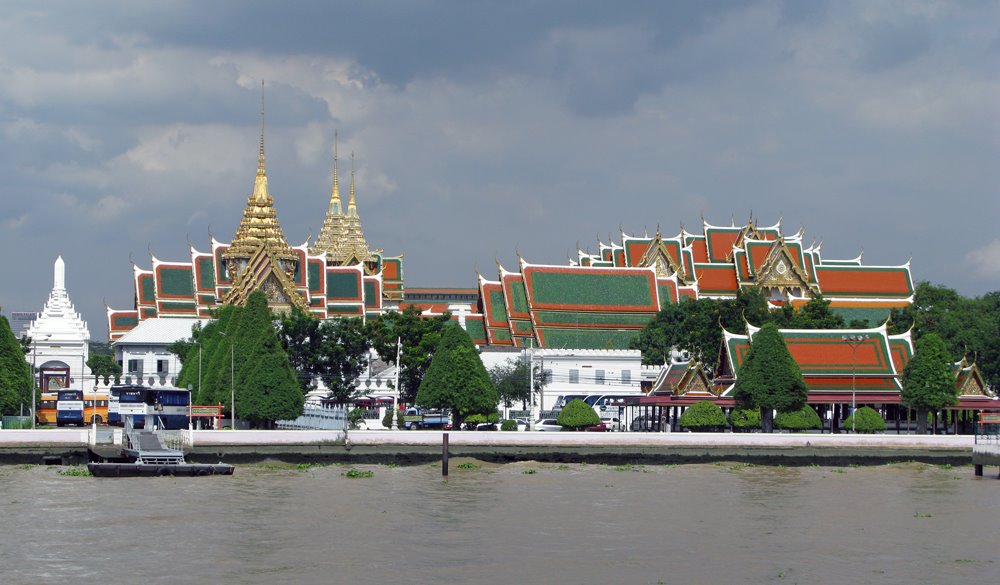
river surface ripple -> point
(513, 523)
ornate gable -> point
(662, 261)
(781, 272)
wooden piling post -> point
(444, 454)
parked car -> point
(644, 423)
(547, 424)
(598, 428)
(613, 423)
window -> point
(546, 376)
(626, 376)
(574, 376)
(135, 367)
(162, 366)
(599, 377)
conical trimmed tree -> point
(928, 381)
(769, 378)
(457, 379)
(267, 388)
(15, 372)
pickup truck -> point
(416, 418)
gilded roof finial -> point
(335, 194)
(260, 158)
(352, 204)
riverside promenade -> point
(413, 447)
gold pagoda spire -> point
(341, 239)
(335, 193)
(259, 226)
(352, 204)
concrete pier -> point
(411, 447)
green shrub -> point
(798, 420)
(578, 415)
(387, 419)
(354, 418)
(509, 425)
(703, 416)
(745, 419)
(865, 420)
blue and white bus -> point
(69, 408)
(167, 408)
(126, 399)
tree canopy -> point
(15, 372)
(335, 351)
(578, 415)
(769, 378)
(456, 379)
(419, 336)
(511, 379)
(703, 416)
(928, 380)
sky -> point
(485, 130)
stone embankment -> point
(407, 447)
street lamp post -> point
(232, 381)
(854, 341)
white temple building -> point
(60, 341)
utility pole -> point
(854, 341)
(395, 390)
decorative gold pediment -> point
(779, 270)
(657, 256)
(266, 271)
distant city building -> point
(60, 340)
(20, 321)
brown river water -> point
(511, 523)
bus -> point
(167, 408)
(95, 408)
(126, 399)
(69, 407)
(46, 413)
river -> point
(507, 523)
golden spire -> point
(259, 226)
(352, 204)
(260, 182)
(335, 194)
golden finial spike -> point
(353, 201)
(335, 193)
(260, 158)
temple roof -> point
(341, 237)
(259, 226)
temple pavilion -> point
(603, 300)
(338, 275)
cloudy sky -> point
(484, 129)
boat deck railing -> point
(147, 447)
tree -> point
(419, 336)
(703, 416)
(802, 419)
(578, 415)
(104, 366)
(865, 420)
(928, 380)
(511, 379)
(15, 372)
(745, 419)
(301, 338)
(342, 356)
(457, 379)
(268, 389)
(815, 314)
(769, 378)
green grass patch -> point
(310, 465)
(358, 473)
(467, 465)
(75, 471)
(922, 515)
(529, 471)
